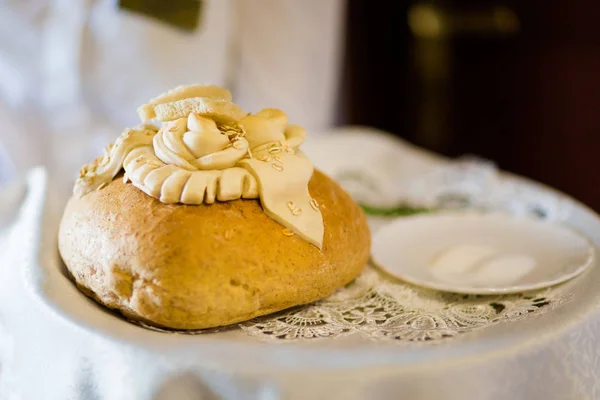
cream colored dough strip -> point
(146, 112)
(222, 111)
(104, 169)
(172, 184)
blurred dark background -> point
(514, 81)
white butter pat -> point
(461, 259)
(480, 265)
(504, 270)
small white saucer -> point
(476, 253)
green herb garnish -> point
(398, 211)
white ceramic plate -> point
(59, 318)
(476, 253)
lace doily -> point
(379, 308)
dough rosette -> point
(208, 149)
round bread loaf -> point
(193, 267)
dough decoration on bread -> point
(208, 149)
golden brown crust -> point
(192, 267)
